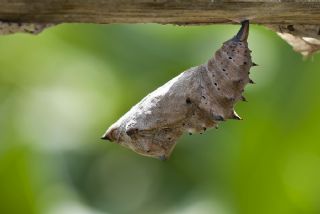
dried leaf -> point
(194, 101)
(304, 39)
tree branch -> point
(161, 11)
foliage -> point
(60, 90)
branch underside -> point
(161, 11)
(300, 17)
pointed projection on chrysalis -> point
(194, 101)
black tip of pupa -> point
(218, 118)
(243, 99)
(243, 33)
(162, 158)
(106, 137)
(235, 116)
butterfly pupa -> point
(192, 102)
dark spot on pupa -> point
(204, 128)
(169, 138)
(162, 157)
(227, 74)
(215, 84)
(290, 27)
(232, 99)
(188, 101)
(148, 151)
(244, 63)
(203, 97)
(218, 118)
(183, 124)
(230, 57)
(224, 69)
(131, 131)
(238, 81)
(218, 89)
(190, 133)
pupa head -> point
(142, 142)
(240, 39)
(236, 49)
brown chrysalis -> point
(194, 101)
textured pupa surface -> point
(194, 101)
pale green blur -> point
(60, 90)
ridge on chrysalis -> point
(192, 102)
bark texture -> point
(161, 11)
(32, 16)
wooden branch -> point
(161, 11)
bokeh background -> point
(60, 90)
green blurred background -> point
(60, 90)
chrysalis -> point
(194, 101)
